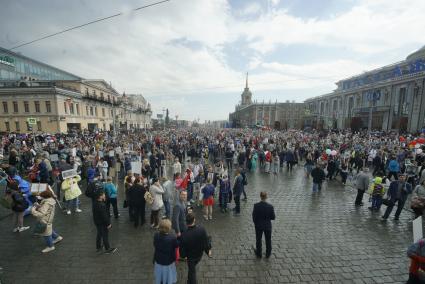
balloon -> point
(421, 140)
(419, 151)
(328, 151)
(334, 152)
(402, 139)
(417, 146)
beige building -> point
(274, 115)
(64, 106)
(134, 112)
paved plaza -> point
(319, 238)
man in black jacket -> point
(262, 215)
(193, 243)
(102, 221)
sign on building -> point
(32, 121)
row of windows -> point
(18, 127)
(37, 109)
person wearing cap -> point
(72, 191)
(397, 192)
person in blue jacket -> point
(393, 168)
(397, 192)
(111, 196)
(91, 172)
(24, 187)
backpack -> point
(148, 198)
(94, 189)
(19, 204)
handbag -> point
(387, 202)
(40, 228)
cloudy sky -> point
(191, 56)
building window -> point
(5, 107)
(112, 113)
(101, 96)
(94, 93)
(87, 91)
(26, 107)
(95, 111)
(87, 110)
(38, 125)
(64, 107)
(17, 126)
(37, 106)
(7, 124)
(15, 107)
(48, 106)
(71, 108)
(91, 111)
(77, 106)
(103, 111)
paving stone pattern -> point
(320, 238)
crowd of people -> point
(171, 172)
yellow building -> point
(64, 106)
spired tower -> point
(246, 95)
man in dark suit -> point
(262, 215)
(397, 192)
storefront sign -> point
(4, 59)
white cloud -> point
(370, 27)
(251, 9)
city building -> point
(274, 115)
(134, 112)
(57, 101)
(387, 98)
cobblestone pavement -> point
(319, 238)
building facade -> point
(274, 115)
(387, 98)
(62, 102)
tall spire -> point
(246, 85)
